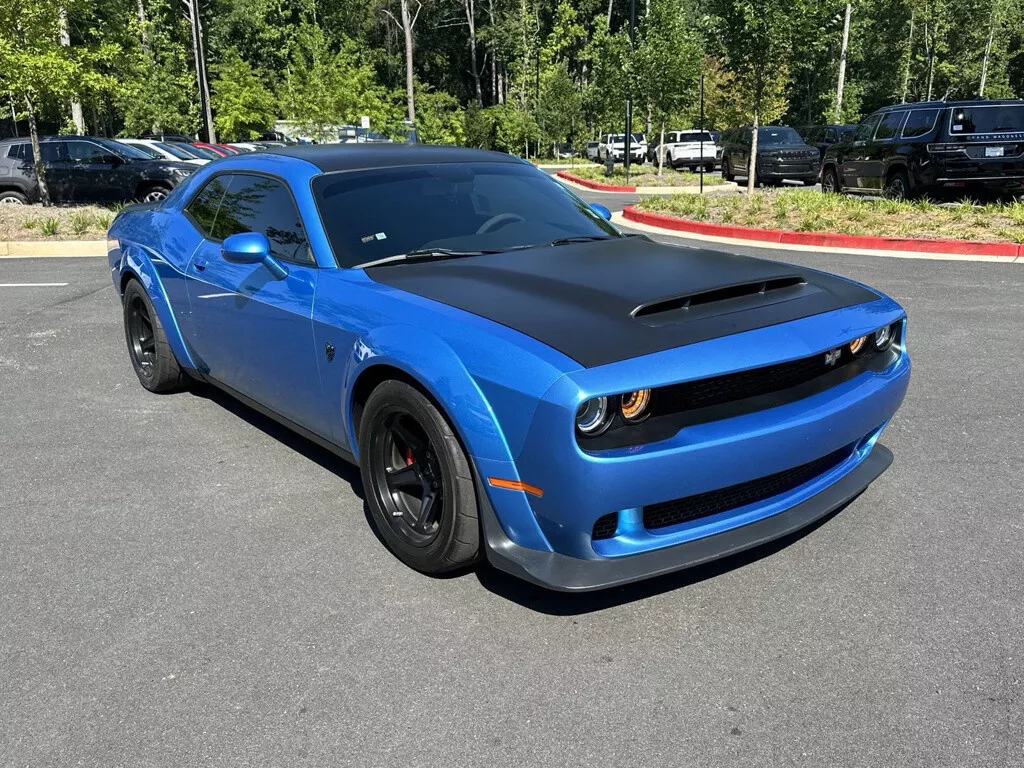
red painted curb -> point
(824, 239)
(594, 184)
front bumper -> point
(570, 574)
(550, 539)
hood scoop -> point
(730, 298)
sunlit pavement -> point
(184, 583)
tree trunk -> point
(77, 117)
(929, 42)
(752, 167)
(140, 10)
(474, 70)
(33, 132)
(200, 64)
(610, 4)
(910, 57)
(661, 152)
(842, 64)
(407, 24)
(988, 50)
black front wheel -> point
(419, 487)
(151, 355)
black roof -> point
(347, 157)
(963, 103)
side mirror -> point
(601, 211)
(252, 248)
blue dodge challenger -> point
(516, 379)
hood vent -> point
(717, 294)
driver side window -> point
(261, 204)
(87, 152)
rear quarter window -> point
(920, 122)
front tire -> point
(150, 353)
(154, 194)
(418, 481)
(727, 173)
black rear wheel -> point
(151, 355)
(829, 181)
(897, 186)
(419, 487)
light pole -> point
(629, 97)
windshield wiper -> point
(590, 238)
(425, 254)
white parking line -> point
(32, 285)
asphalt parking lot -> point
(185, 583)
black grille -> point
(754, 382)
(713, 502)
(605, 526)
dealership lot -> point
(185, 583)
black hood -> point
(606, 301)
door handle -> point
(200, 263)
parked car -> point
(781, 154)
(177, 137)
(625, 409)
(614, 144)
(564, 151)
(86, 169)
(931, 147)
(824, 136)
(244, 146)
(218, 150)
(204, 151)
(686, 149)
(591, 150)
(164, 150)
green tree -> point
(35, 69)
(755, 35)
(242, 105)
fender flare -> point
(433, 364)
(136, 261)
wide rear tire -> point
(148, 349)
(830, 181)
(418, 481)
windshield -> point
(200, 152)
(639, 138)
(124, 150)
(987, 119)
(374, 214)
(695, 136)
(173, 150)
(149, 152)
(192, 153)
(778, 135)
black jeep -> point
(928, 148)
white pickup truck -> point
(614, 144)
(682, 149)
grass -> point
(33, 222)
(810, 211)
(645, 176)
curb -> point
(599, 186)
(824, 239)
(30, 249)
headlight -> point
(859, 345)
(634, 404)
(592, 417)
(884, 337)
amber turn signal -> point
(857, 345)
(634, 404)
(516, 485)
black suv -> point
(930, 147)
(824, 136)
(84, 169)
(781, 154)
